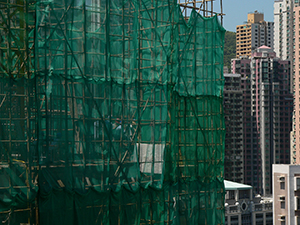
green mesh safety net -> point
(110, 113)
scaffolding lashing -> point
(111, 112)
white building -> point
(283, 28)
(286, 194)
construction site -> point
(111, 112)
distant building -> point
(233, 110)
(267, 115)
(95, 20)
(286, 194)
(225, 69)
(242, 209)
(256, 32)
(283, 28)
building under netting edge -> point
(111, 113)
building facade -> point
(286, 194)
(256, 32)
(241, 208)
(283, 28)
(295, 150)
(267, 115)
(233, 110)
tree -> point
(229, 48)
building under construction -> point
(111, 112)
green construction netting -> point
(110, 113)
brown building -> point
(267, 115)
(255, 33)
(233, 110)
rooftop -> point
(232, 75)
(230, 186)
(264, 47)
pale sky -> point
(236, 11)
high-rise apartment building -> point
(267, 115)
(295, 144)
(284, 31)
(295, 150)
(251, 154)
(233, 110)
(256, 32)
(283, 28)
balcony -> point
(234, 209)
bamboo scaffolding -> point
(69, 105)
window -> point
(259, 216)
(234, 218)
(281, 198)
(282, 183)
(298, 183)
(282, 219)
(231, 195)
(298, 203)
(298, 220)
(282, 204)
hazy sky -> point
(236, 11)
